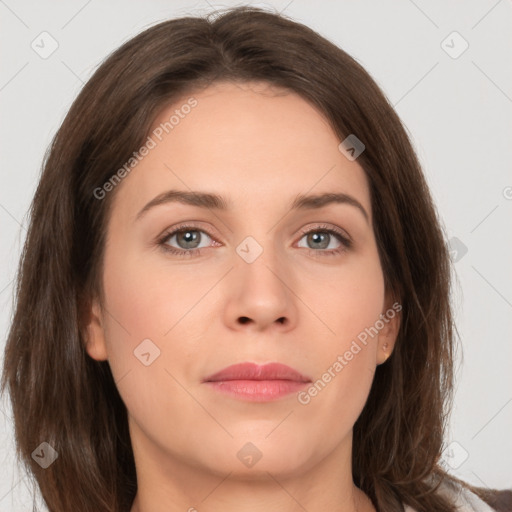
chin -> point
(253, 458)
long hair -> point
(61, 396)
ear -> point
(94, 335)
(390, 319)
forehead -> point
(254, 143)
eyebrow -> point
(214, 201)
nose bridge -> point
(261, 261)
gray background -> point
(457, 110)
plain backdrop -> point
(444, 65)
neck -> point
(255, 498)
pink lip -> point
(252, 382)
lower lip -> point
(258, 390)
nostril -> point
(244, 319)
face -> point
(260, 280)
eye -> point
(321, 237)
(187, 238)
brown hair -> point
(62, 396)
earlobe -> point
(389, 332)
(94, 335)
(385, 347)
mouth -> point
(257, 383)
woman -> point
(179, 342)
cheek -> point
(152, 337)
(347, 298)
(149, 300)
(345, 357)
(153, 318)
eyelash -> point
(345, 241)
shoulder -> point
(467, 500)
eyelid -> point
(182, 226)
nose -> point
(260, 295)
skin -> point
(259, 147)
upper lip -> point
(253, 371)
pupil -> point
(317, 238)
(190, 237)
